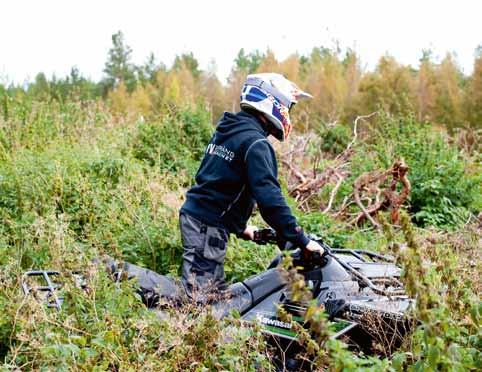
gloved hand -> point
(248, 233)
(335, 308)
(315, 247)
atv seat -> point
(262, 285)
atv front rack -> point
(387, 284)
(377, 284)
(42, 285)
(48, 291)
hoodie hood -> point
(234, 123)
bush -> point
(448, 308)
(175, 144)
(109, 328)
(335, 138)
(445, 184)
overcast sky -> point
(54, 35)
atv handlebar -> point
(300, 255)
(265, 236)
(310, 260)
(268, 235)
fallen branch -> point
(304, 184)
(355, 133)
(296, 172)
(333, 192)
(370, 182)
(359, 184)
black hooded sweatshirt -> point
(238, 169)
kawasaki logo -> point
(272, 322)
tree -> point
(173, 96)
(147, 72)
(248, 63)
(352, 76)
(41, 87)
(119, 99)
(474, 92)
(213, 92)
(269, 63)
(290, 67)
(325, 80)
(426, 87)
(140, 100)
(4, 102)
(448, 104)
(118, 66)
(189, 62)
(390, 87)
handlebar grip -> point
(301, 255)
(265, 236)
(269, 236)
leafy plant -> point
(176, 143)
(445, 184)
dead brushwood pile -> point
(373, 192)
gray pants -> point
(203, 258)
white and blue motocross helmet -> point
(272, 95)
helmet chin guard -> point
(272, 95)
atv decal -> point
(272, 321)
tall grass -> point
(77, 183)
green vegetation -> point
(90, 169)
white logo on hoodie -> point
(221, 151)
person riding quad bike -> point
(239, 169)
(361, 291)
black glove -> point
(335, 308)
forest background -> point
(90, 168)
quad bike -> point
(360, 290)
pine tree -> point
(248, 63)
(147, 72)
(118, 66)
(187, 61)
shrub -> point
(448, 338)
(176, 143)
(335, 138)
(445, 185)
(108, 327)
